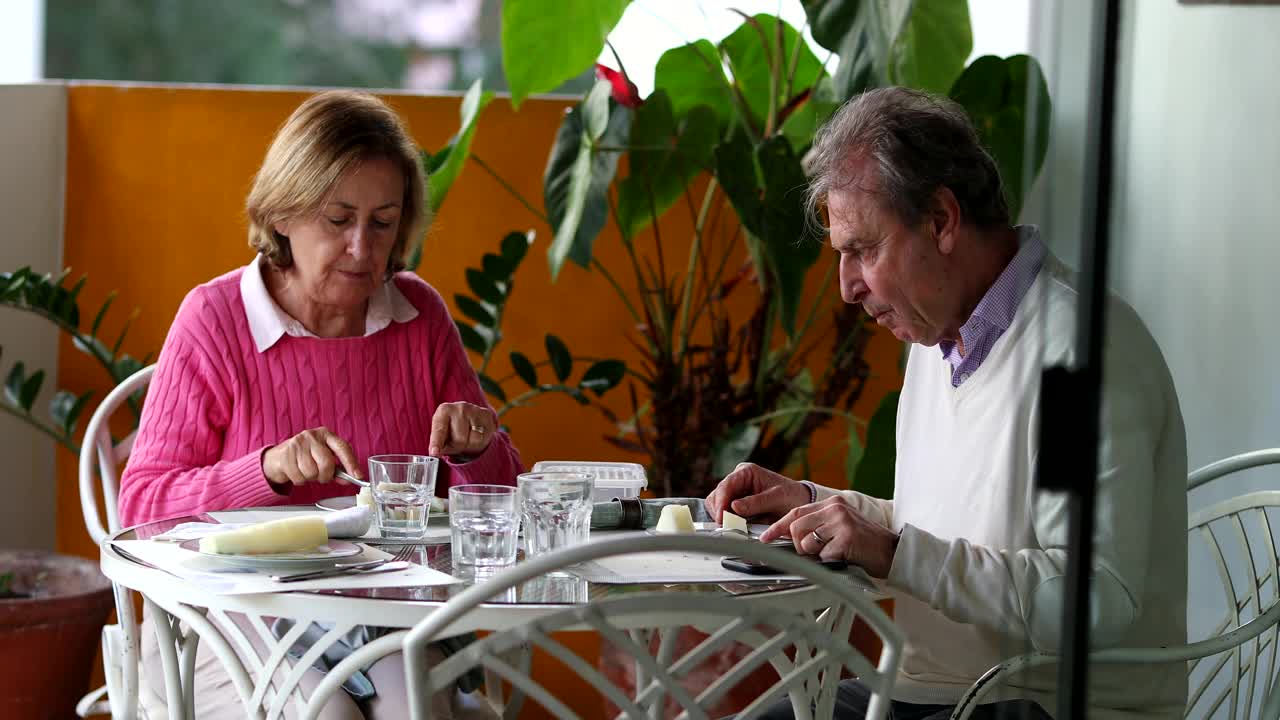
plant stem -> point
(616, 288)
(507, 186)
(694, 254)
(834, 412)
(38, 424)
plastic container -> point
(613, 479)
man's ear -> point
(943, 220)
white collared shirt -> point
(268, 322)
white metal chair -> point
(1248, 632)
(101, 459)
(808, 653)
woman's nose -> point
(358, 243)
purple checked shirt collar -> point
(994, 313)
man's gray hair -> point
(920, 143)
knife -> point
(336, 570)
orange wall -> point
(156, 180)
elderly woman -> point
(317, 354)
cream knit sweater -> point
(979, 573)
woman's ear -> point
(281, 228)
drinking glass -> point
(482, 523)
(403, 486)
(556, 510)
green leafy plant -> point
(491, 285)
(48, 297)
(721, 139)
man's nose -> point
(852, 289)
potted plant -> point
(737, 361)
(726, 334)
(52, 607)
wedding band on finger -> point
(478, 429)
(818, 538)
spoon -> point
(351, 478)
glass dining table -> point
(185, 615)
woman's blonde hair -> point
(327, 136)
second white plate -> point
(326, 554)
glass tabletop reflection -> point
(557, 589)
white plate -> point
(345, 502)
(326, 554)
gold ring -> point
(477, 429)
(821, 540)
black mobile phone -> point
(752, 567)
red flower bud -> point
(624, 91)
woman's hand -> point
(833, 530)
(460, 428)
(310, 456)
(752, 490)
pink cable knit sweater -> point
(215, 404)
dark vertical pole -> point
(1072, 398)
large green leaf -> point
(859, 32)
(789, 241)
(853, 455)
(693, 75)
(802, 124)
(558, 354)
(603, 375)
(546, 43)
(752, 51)
(1003, 97)
(733, 448)
(929, 51)
(491, 386)
(514, 247)
(484, 287)
(474, 310)
(738, 177)
(659, 176)
(576, 182)
(65, 408)
(471, 338)
(524, 369)
(459, 147)
(875, 472)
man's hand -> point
(751, 490)
(842, 533)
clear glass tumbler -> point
(483, 524)
(555, 508)
(403, 486)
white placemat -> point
(435, 533)
(214, 577)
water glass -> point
(483, 523)
(403, 486)
(556, 510)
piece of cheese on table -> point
(729, 521)
(365, 497)
(675, 519)
(276, 536)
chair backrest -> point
(101, 458)
(809, 653)
(1236, 537)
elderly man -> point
(975, 557)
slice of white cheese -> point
(732, 522)
(675, 519)
(276, 536)
(364, 498)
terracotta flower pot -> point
(49, 639)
